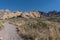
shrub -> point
(50, 38)
(59, 29)
(1, 24)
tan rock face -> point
(17, 13)
(5, 15)
(25, 15)
(36, 14)
(31, 14)
(8, 15)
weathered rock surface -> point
(8, 15)
(31, 14)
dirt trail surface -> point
(9, 32)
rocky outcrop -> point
(8, 15)
(31, 15)
(36, 14)
(17, 13)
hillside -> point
(34, 25)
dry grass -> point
(31, 28)
(37, 29)
(1, 24)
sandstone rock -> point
(31, 14)
(5, 15)
(35, 14)
(25, 15)
(17, 13)
(8, 14)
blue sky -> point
(29, 5)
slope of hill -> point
(35, 25)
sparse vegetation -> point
(54, 19)
(59, 29)
(50, 38)
(30, 28)
(34, 27)
(1, 24)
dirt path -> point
(9, 32)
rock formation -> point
(31, 15)
(8, 15)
